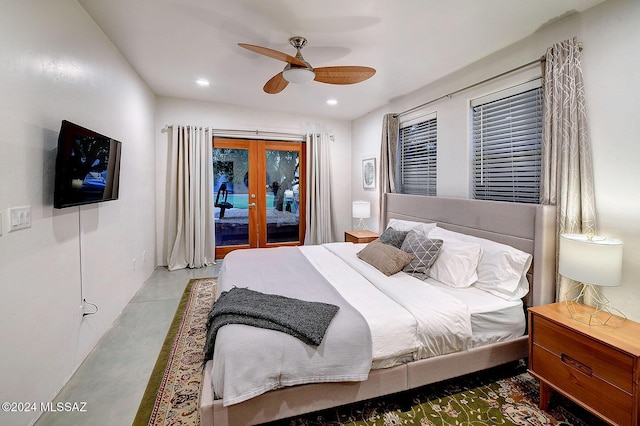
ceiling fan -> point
(298, 70)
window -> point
(417, 156)
(507, 139)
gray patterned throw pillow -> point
(425, 251)
(392, 237)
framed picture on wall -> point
(369, 173)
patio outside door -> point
(258, 186)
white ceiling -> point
(410, 43)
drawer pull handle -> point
(576, 365)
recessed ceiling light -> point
(202, 82)
(332, 102)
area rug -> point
(505, 395)
(173, 392)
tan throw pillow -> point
(384, 257)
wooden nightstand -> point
(359, 236)
(597, 367)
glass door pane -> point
(231, 196)
(282, 174)
(258, 187)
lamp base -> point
(361, 226)
(599, 314)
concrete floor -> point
(112, 379)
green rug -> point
(505, 395)
(173, 391)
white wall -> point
(610, 62)
(56, 64)
(172, 111)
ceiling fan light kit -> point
(298, 75)
(300, 71)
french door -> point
(259, 193)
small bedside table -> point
(597, 367)
(359, 236)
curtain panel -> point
(190, 221)
(388, 161)
(567, 170)
(318, 200)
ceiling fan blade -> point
(276, 84)
(343, 74)
(281, 56)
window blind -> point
(417, 156)
(507, 138)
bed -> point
(471, 344)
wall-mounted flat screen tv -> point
(87, 167)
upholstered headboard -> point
(528, 227)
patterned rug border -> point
(149, 403)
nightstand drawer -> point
(568, 375)
(585, 354)
(598, 367)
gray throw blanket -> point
(307, 321)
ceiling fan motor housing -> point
(298, 42)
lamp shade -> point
(595, 261)
(361, 209)
(298, 75)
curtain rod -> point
(247, 133)
(449, 95)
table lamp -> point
(361, 210)
(592, 261)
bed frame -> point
(528, 227)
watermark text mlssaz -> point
(21, 407)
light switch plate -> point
(19, 218)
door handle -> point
(252, 204)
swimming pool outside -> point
(240, 201)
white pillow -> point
(408, 225)
(457, 263)
(502, 269)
